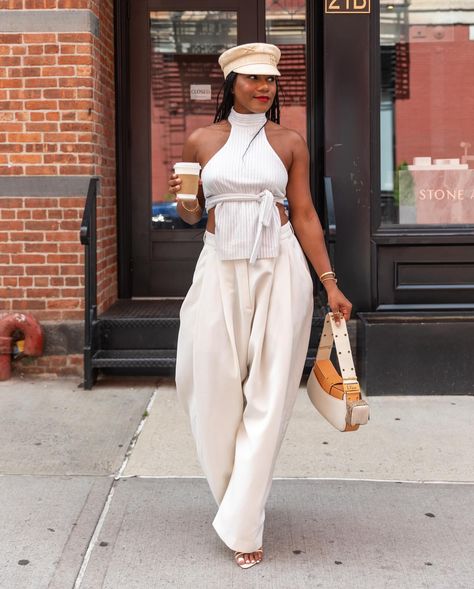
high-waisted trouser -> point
(242, 345)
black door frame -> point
(315, 122)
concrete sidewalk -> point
(101, 489)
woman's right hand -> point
(174, 183)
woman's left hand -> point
(338, 304)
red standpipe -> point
(32, 332)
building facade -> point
(380, 90)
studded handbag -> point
(336, 396)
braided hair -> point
(224, 106)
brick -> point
(58, 71)
(52, 116)
(57, 280)
(40, 38)
(63, 304)
(76, 170)
(42, 225)
(41, 170)
(25, 94)
(25, 72)
(42, 270)
(75, 60)
(8, 293)
(85, 105)
(10, 281)
(26, 159)
(39, 213)
(42, 203)
(76, 82)
(83, 126)
(62, 236)
(24, 137)
(11, 83)
(11, 171)
(27, 236)
(18, 50)
(84, 93)
(75, 37)
(10, 105)
(52, 214)
(60, 137)
(68, 158)
(42, 147)
(12, 203)
(28, 305)
(71, 270)
(24, 214)
(43, 292)
(62, 259)
(41, 105)
(11, 270)
(10, 60)
(25, 281)
(51, 48)
(41, 281)
(37, 116)
(35, 49)
(41, 247)
(39, 60)
(60, 93)
(83, 48)
(11, 127)
(41, 83)
(68, 49)
(28, 259)
(11, 225)
(41, 127)
(77, 293)
(10, 39)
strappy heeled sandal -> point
(247, 565)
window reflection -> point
(185, 80)
(285, 25)
(427, 127)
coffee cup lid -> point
(191, 166)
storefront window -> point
(427, 108)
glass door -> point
(174, 83)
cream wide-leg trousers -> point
(242, 344)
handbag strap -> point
(333, 334)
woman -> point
(246, 320)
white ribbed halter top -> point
(243, 180)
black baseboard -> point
(424, 353)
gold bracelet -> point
(326, 273)
(329, 278)
(198, 206)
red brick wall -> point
(56, 118)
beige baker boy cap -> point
(252, 58)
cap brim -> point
(258, 69)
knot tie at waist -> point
(266, 215)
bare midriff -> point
(211, 223)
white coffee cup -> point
(189, 174)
